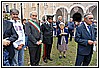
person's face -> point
(89, 19)
(60, 18)
(24, 21)
(34, 16)
(50, 20)
(71, 19)
(14, 16)
(61, 27)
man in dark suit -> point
(47, 31)
(34, 39)
(59, 21)
(85, 37)
(9, 36)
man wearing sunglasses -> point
(85, 37)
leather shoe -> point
(60, 57)
(64, 56)
(45, 60)
(50, 59)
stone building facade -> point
(76, 10)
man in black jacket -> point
(9, 36)
(47, 31)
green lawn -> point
(68, 61)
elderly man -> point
(34, 39)
(59, 21)
(85, 37)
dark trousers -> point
(83, 60)
(47, 50)
(35, 53)
(71, 34)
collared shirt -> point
(20, 31)
(47, 22)
(87, 27)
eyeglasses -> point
(34, 15)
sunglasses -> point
(34, 15)
(90, 18)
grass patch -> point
(68, 61)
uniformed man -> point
(47, 31)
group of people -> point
(16, 36)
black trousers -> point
(47, 51)
(35, 54)
(71, 34)
(83, 60)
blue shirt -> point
(71, 25)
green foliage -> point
(7, 16)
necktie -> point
(89, 27)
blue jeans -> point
(6, 58)
(18, 59)
(26, 41)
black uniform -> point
(47, 31)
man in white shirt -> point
(18, 59)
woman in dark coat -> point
(62, 43)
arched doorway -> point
(77, 17)
(76, 13)
(62, 12)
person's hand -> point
(95, 42)
(72, 30)
(90, 42)
(39, 42)
(60, 34)
(19, 47)
(6, 42)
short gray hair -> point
(59, 17)
(14, 11)
(86, 15)
(32, 12)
